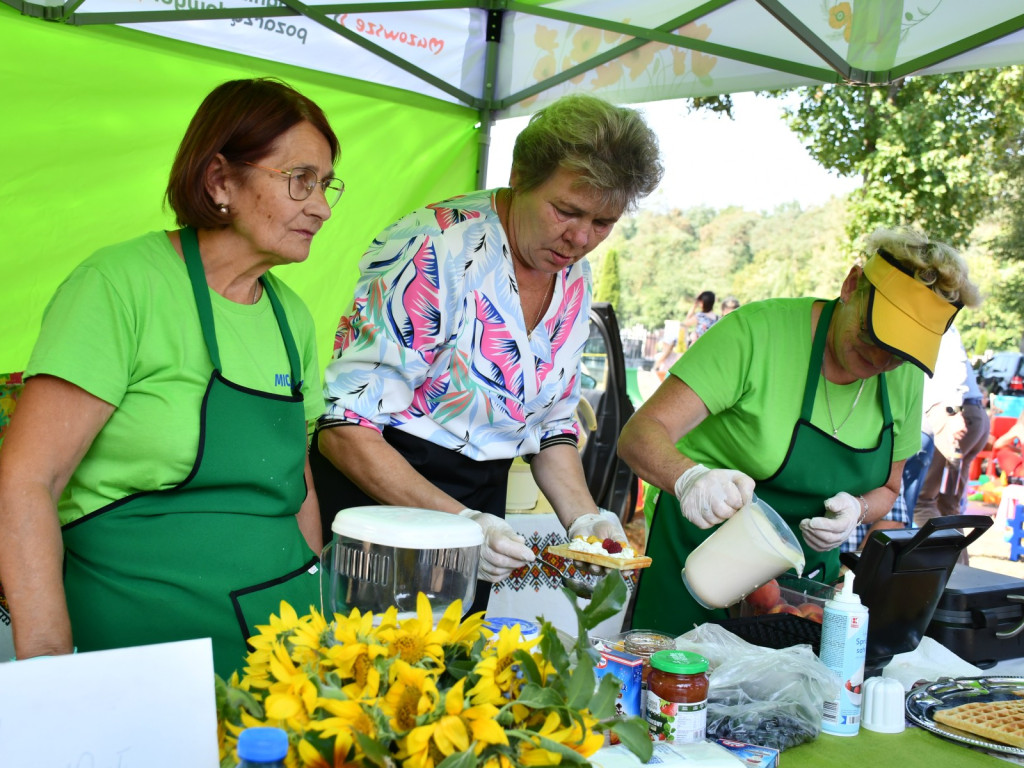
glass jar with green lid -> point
(677, 696)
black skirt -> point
(479, 485)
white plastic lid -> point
(847, 595)
(407, 527)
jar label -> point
(672, 721)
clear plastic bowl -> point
(383, 556)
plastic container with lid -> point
(383, 556)
(677, 696)
(262, 747)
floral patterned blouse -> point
(436, 344)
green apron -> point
(214, 555)
(816, 467)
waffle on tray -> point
(1001, 721)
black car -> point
(611, 482)
(1003, 374)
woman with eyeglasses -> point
(153, 485)
(462, 349)
(805, 401)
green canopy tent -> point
(98, 93)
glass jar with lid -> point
(677, 696)
(644, 643)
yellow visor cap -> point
(905, 316)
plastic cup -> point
(749, 549)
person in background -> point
(669, 348)
(804, 400)
(462, 349)
(729, 304)
(1007, 449)
(700, 317)
(897, 518)
(153, 482)
(953, 410)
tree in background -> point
(1008, 244)
(609, 287)
(929, 150)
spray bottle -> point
(844, 643)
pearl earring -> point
(222, 207)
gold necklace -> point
(548, 295)
(828, 405)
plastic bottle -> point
(844, 644)
(263, 747)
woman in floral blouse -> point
(462, 348)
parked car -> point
(1003, 374)
(611, 482)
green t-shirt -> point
(750, 369)
(124, 327)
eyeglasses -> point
(302, 180)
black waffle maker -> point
(900, 576)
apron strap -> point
(814, 369)
(286, 336)
(201, 291)
(817, 353)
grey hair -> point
(612, 148)
(935, 264)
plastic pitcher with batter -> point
(749, 549)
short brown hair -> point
(240, 119)
(612, 148)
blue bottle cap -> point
(262, 745)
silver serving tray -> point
(952, 692)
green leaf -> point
(459, 760)
(609, 598)
(581, 684)
(373, 749)
(529, 666)
(551, 648)
(539, 698)
(602, 705)
(459, 669)
(633, 732)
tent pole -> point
(494, 20)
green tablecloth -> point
(913, 748)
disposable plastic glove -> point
(709, 496)
(843, 513)
(603, 525)
(503, 549)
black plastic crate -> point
(776, 630)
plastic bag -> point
(765, 696)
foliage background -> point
(940, 153)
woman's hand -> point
(503, 549)
(709, 496)
(843, 513)
(603, 525)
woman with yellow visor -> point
(804, 400)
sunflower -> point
(578, 737)
(292, 695)
(498, 676)
(411, 693)
(457, 730)
(414, 640)
(340, 721)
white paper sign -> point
(150, 706)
